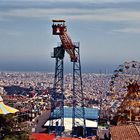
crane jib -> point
(61, 30)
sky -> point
(108, 32)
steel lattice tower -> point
(57, 96)
(78, 113)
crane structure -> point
(78, 111)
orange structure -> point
(61, 30)
(42, 136)
(130, 107)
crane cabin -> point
(59, 27)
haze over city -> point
(108, 32)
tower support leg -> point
(57, 103)
(78, 113)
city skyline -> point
(108, 32)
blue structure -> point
(91, 114)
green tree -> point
(8, 125)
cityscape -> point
(69, 70)
(29, 92)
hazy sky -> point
(108, 31)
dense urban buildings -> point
(95, 86)
(30, 93)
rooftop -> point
(90, 113)
(124, 132)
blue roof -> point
(90, 113)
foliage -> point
(8, 126)
(21, 135)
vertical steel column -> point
(57, 103)
(78, 114)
